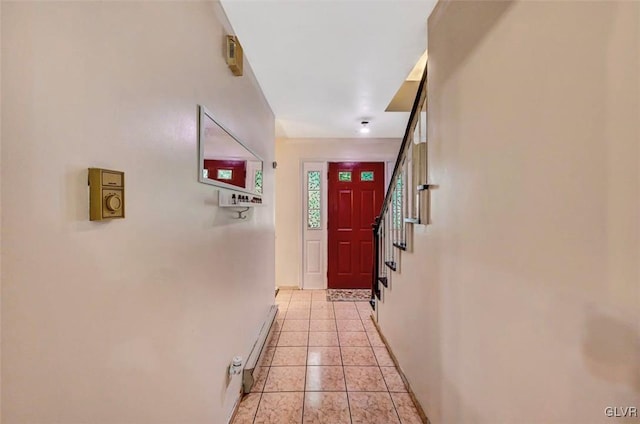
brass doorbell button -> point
(106, 194)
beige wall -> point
(520, 303)
(0, 214)
(290, 154)
(135, 320)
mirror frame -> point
(205, 114)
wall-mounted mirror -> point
(224, 161)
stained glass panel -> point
(313, 178)
(257, 181)
(366, 176)
(397, 203)
(225, 174)
(314, 219)
(313, 200)
(344, 176)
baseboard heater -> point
(256, 350)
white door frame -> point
(388, 169)
(314, 279)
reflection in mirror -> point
(224, 161)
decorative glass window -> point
(366, 176)
(257, 181)
(313, 200)
(225, 174)
(344, 176)
(396, 203)
(314, 219)
(313, 180)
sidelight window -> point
(257, 181)
(397, 204)
(313, 200)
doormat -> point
(348, 295)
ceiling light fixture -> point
(365, 127)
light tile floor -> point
(325, 363)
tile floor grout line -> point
(304, 381)
(344, 374)
(266, 377)
(306, 365)
(384, 380)
(255, 414)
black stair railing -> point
(375, 288)
(379, 250)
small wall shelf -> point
(241, 205)
(225, 200)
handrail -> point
(420, 95)
(380, 261)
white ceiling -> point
(326, 65)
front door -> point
(355, 195)
(232, 172)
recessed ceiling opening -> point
(402, 101)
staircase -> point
(406, 202)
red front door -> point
(356, 191)
(232, 172)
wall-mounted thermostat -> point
(106, 194)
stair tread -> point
(390, 264)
